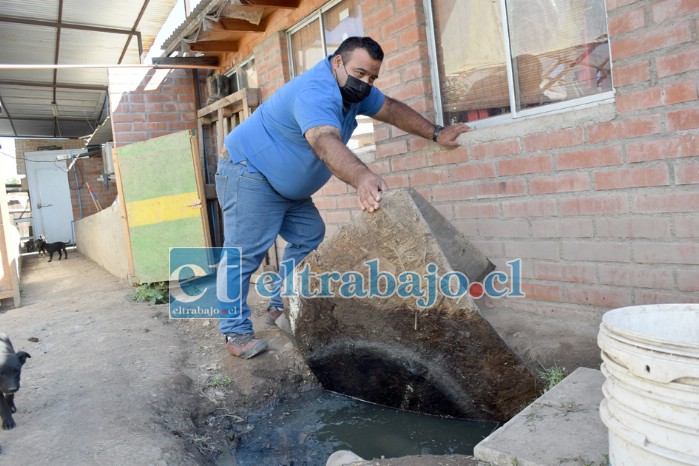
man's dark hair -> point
(367, 43)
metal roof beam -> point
(82, 87)
(57, 50)
(58, 24)
(60, 118)
(8, 117)
(135, 25)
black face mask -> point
(354, 90)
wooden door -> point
(162, 190)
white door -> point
(47, 176)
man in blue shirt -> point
(287, 150)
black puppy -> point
(40, 246)
(30, 245)
(10, 368)
(50, 248)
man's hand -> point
(369, 189)
(447, 137)
(328, 146)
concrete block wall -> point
(32, 145)
(601, 204)
(147, 103)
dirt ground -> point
(114, 381)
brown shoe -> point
(273, 313)
(245, 345)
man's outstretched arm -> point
(326, 142)
(401, 116)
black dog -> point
(10, 368)
(30, 245)
(50, 248)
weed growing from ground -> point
(218, 381)
(552, 376)
(153, 293)
(580, 460)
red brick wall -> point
(272, 64)
(601, 204)
(88, 173)
(147, 103)
(31, 145)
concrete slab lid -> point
(562, 427)
(442, 359)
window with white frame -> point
(518, 57)
(320, 35)
(244, 76)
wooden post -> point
(9, 279)
(124, 216)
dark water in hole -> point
(308, 429)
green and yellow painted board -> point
(161, 187)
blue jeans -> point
(253, 215)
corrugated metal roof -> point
(191, 22)
(205, 31)
(91, 32)
(38, 10)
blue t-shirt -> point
(272, 139)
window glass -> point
(233, 83)
(340, 22)
(307, 47)
(247, 75)
(471, 59)
(558, 51)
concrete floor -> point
(563, 427)
(546, 338)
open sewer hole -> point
(308, 429)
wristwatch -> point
(437, 129)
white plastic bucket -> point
(650, 360)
